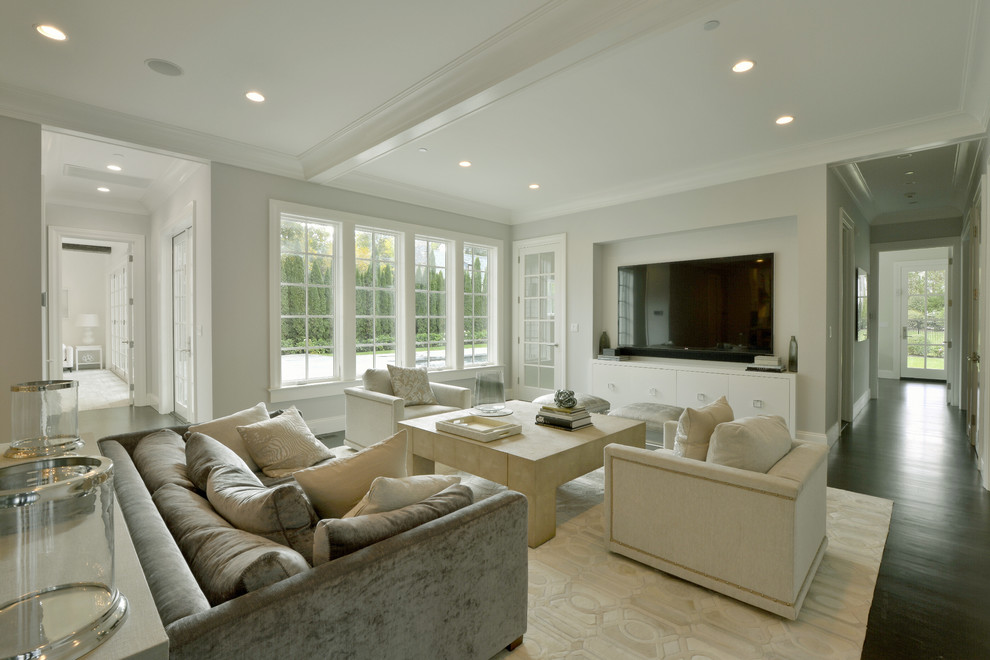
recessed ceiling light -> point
(51, 32)
(909, 173)
(465, 163)
(742, 66)
(910, 183)
(103, 189)
(534, 186)
(711, 25)
(423, 150)
(114, 168)
(784, 120)
(257, 97)
(164, 67)
(904, 155)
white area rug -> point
(585, 602)
(99, 388)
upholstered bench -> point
(654, 414)
(591, 403)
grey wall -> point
(916, 231)
(859, 351)
(21, 258)
(723, 210)
(240, 272)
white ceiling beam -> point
(557, 36)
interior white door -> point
(182, 326)
(540, 352)
(923, 317)
(973, 348)
(121, 304)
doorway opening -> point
(93, 315)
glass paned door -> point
(119, 353)
(540, 355)
(182, 326)
(923, 307)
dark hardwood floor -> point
(932, 598)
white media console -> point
(687, 384)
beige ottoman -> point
(654, 414)
(591, 403)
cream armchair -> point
(755, 537)
(372, 412)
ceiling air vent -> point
(104, 176)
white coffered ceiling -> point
(597, 101)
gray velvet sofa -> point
(454, 587)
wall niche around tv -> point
(703, 309)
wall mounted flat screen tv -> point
(707, 309)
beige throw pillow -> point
(387, 494)
(695, 427)
(411, 385)
(750, 443)
(378, 380)
(281, 445)
(224, 430)
(336, 486)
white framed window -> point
(375, 298)
(352, 292)
(476, 289)
(307, 287)
(431, 302)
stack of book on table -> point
(569, 419)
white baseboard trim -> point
(861, 403)
(892, 375)
(808, 436)
(326, 424)
(830, 437)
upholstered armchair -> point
(754, 536)
(373, 412)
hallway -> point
(931, 598)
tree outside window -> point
(476, 301)
(306, 285)
(374, 298)
(431, 303)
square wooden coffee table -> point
(533, 462)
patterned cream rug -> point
(100, 388)
(585, 602)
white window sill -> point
(316, 390)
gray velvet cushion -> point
(337, 537)
(203, 453)
(224, 430)
(160, 457)
(227, 562)
(281, 445)
(378, 380)
(750, 443)
(281, 513)
(176, 592)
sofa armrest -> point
(452, 395)
(455, 587)
(370, 417)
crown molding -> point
(556, 36)
(73, 116)
(400, 192)
(889, 140)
